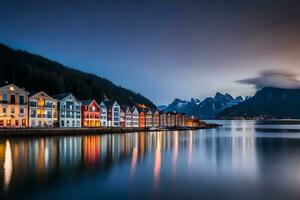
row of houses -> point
(19, 109)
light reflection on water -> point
(242, 159)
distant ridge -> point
(267, 103)
(36, 73)
(209, 108)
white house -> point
(42, 110)
(103, 114)
(69, 110)
(135, 117)
(128, 117)
(113, 113)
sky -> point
(164, 49)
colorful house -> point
(155, 119)
(135, 117)
(42, 110)
(69, 109)
(90, 114)
(113, 113)
(123, 110)
(103, 114)
(178, 122)
(13, 106)
(128, 119)
(149, 117)
(162, 119)
(142, 118)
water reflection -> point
(166, 160)
(7, 166)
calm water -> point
(241, 160)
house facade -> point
(135, 117)
(162, 119)
(103, 115)
(149, 118)
(113, 113)
(155, 119)
(13, 107)
(142, 118)
(69, 109)
(128, 118)
(123, 110)
(42, 110)
(90, 114)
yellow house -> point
(13, 107)
(42, 110)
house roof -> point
(62, 96)
(124, 108)
(87, 102)
(108, 103)
(42, 93)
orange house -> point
(142, 118)
(90, 113)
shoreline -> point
(20, 132)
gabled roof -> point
(124, 108)
(42, 93)
(62, 96)
(13, 87)
(87, 102)
(108, 103)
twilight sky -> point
(164, 48)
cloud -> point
(274, 78)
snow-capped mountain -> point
(207, 109)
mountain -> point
(267, 103)
(36, 73)
(162, 107)
(207, 109)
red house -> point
(90, 114)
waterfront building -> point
(169, 120)
(149, 117)
(135, 117)
(90, 114)
(178, 121)
(128, 119)
(162, 119)
(142, 118)
(173, 119)
(42, 110)
(155, 119)
(69, 109)
(123, 116)
(13, 107)
(113, 113)
(103, 114)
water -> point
(241, 160)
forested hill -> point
(37, 73)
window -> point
(62, 123)
(32, 113)
(12, 98)
(21, 110)
(4, 97)
(8, 123)
(32, 103)
(1, 123)
(12, 109)
(17, 122)
(23, 122)
(49, 114)
(73, 123)
(22, 100)
(77, 107)
(93, 108)
(4, 110)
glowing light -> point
(7, 166)
(11, 88)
